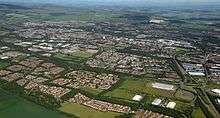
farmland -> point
(11, 105)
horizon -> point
(140, 3)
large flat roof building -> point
(156, 102)
(163, 86)
(171, 105)
(137, 98)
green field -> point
(78, 56)
(82, 54)
(183, 107)
(3, 64)
(180, 51)
(91, 90)
(133, 86)
(197, 113)
(212, 85)
(13, 106)
(85, 112)
(184, 95)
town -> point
(122, 68)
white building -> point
(163, 86)
(156, 102)
(197, 73)
(217, 91)
(171, 105)
(137, 98)
(156, 21)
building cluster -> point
(194, 69)
(133, 64)
(192, 56)
(148, 114)
(57, 92)
(59, 37)
(164, 103)
(10, 54)
(32, 73)
(93, 80)
(213, 67)
(99, 105)
(62, 35)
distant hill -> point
(11, 6)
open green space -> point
(69, 58)
(85, 112)
(183, 107)
(78, 56)
(91, 90)
(3, 64)
(198, 113)
(82, 54)
(212, 85)
(121, 93)
(180, 51)
(132, 86)
(12, 106)
(184, 95)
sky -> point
(122, 2)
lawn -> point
(197, 113)
(16, 107)
(85, 112)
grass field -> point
(91, 90)
(197, 113)
(78, 56)
(133, 86)
(212, 85)
(185, 95)
(68, 58)
(16, 107)
(3, 64)
(180, 51)
(85, 112)
(183, 107)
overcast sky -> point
(131, 2)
